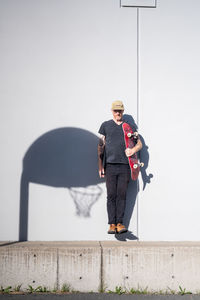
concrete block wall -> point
(51, 265)
(28, 265)
(152, 266)
(80, 266)
(102, 266)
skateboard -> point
(130, 139)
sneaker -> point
(112, 229)
(121, 228)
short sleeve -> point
(102, 129)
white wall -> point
(170, 65)
(62, 64)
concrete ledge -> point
(93, 266)
(158, 266)
(51, 264)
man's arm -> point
(101, 149)
(135, 149)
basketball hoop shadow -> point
(64, 157)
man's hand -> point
(102, 173)
(101, 149)
(129, 151)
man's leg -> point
(111, 185)
(122, 185)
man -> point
(114, 165)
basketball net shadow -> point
(85, 198)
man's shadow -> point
(133, 188)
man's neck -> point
(118, 122)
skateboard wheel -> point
(142, 164)
(135, 166)
(129, 134)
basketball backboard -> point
(138, 3)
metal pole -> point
(138, 102)
(138, 66)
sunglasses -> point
(118, 111)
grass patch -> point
(17, 288)
(139, 291)
(41, 289)
(6, 290)
(119, 290)
(183, 291)
(65, 288)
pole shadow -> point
(9, 243)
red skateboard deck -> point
(130, 139)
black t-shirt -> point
(115, 144)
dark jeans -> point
(117, 179)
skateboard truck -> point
(135, 136)
(135, 166)
(130, 135)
